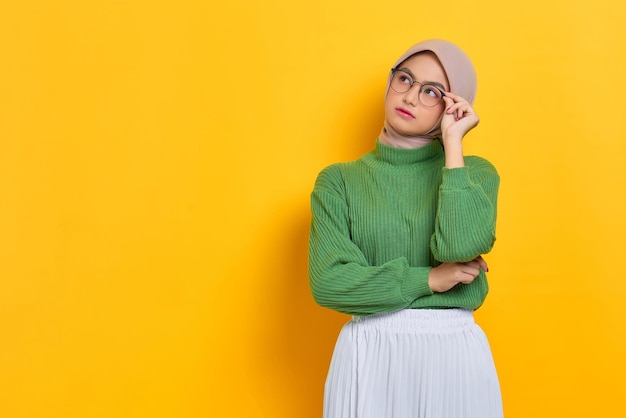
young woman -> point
(397, 239)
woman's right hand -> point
(447, 275)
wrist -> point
(451, 140)
(431, 281)
(453, 154)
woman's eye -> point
(431, 91)
(405, 79)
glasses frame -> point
(419, 95)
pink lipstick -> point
(404, 113)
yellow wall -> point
(156, 159)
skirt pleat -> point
(417, 363)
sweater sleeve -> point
(339, 274)
(466, 212)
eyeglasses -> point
(429, 94)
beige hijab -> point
(461, 77)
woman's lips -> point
(404, 113)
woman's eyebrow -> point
(406, 70)
(436, 83)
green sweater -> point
(380, 223)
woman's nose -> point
(412, 96)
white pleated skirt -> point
(414, 363)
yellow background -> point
(156, 160)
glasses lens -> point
(401, 82)
(430, 95)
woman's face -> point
(403, 111)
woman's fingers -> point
(482, 263)
(457, 106)
(467, 279)
(473, 267)
(454, 97)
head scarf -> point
(461, 77)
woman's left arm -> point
(466, 211)
(465, 224)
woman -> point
(397, 239)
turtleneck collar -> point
(406, 156)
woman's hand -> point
(447, 275)
(458, 119)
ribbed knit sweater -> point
(380, 223)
